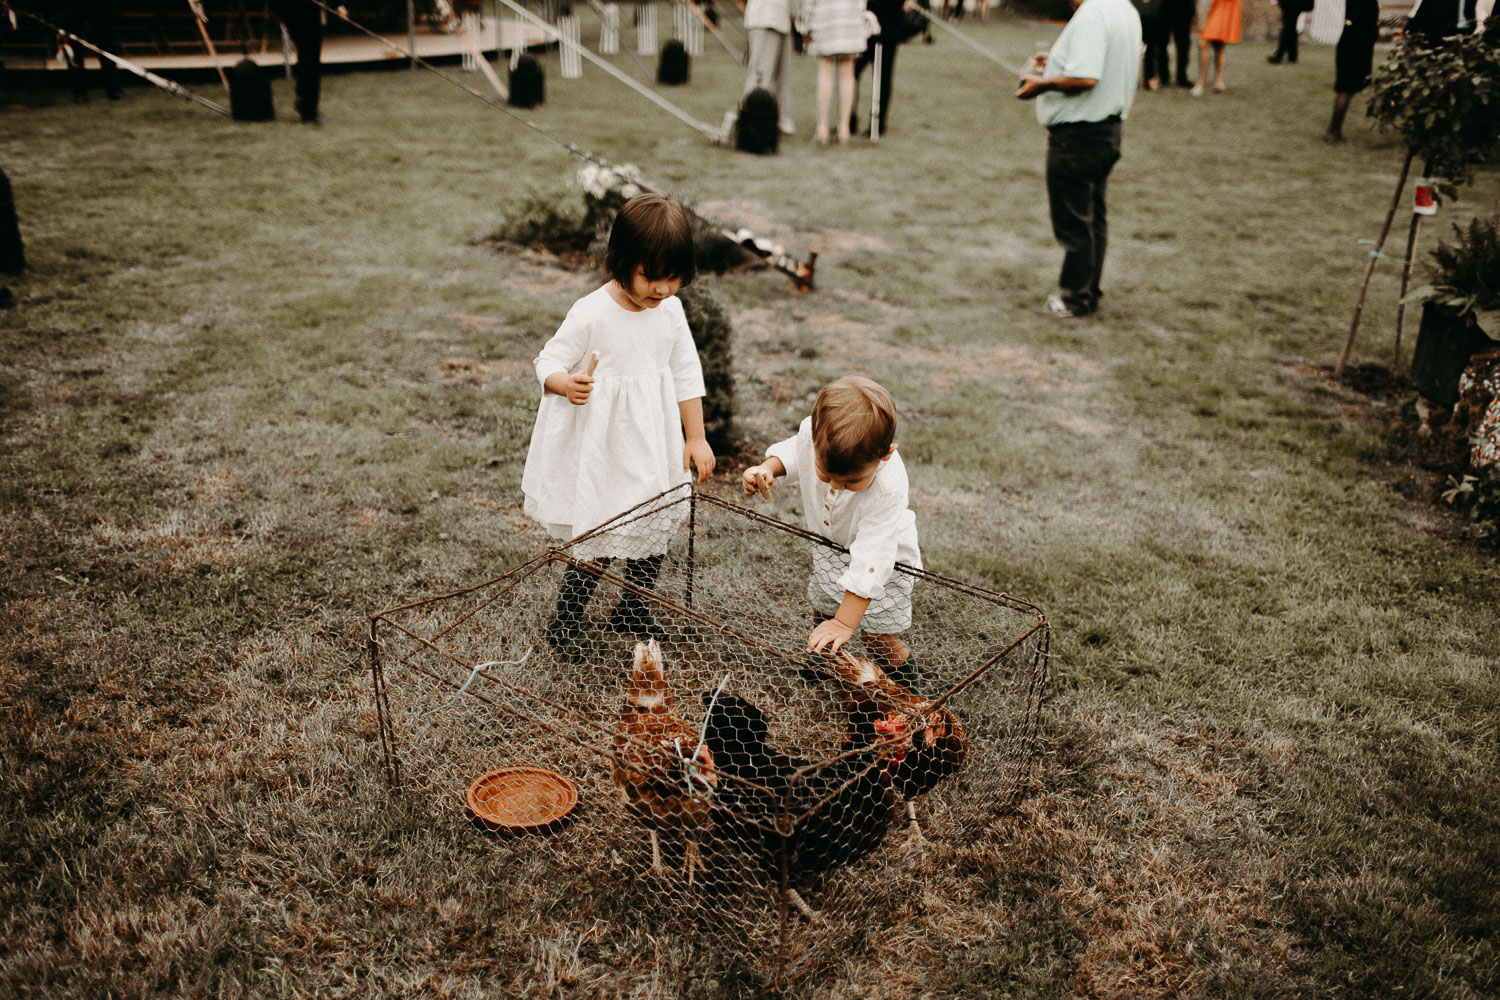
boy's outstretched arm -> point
(840, 628)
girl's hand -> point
(574, 386)
(697, 452)
(830, 635)
(579, 385)
(758, 479)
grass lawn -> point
(262, 381)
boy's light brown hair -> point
(853, 425)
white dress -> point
(624, 446)
(838, 27)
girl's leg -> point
(1335, 131)
(1221, 56)
(825, 91)
(632, 615)
(565, 630)
(846, 95)
(1203, 47)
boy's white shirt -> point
(874, 524)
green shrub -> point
(714, 336)
(1442, 101)
(542, 217)
(1466, 273)
(1478, 496)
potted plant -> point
(1459, 305)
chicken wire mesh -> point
(637, 706)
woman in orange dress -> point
(1220, 28)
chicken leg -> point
(657, 868)
(914, 837)
(812, 916)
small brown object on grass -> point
(519, 800)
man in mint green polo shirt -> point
(1083, 89)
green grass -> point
(262, 381)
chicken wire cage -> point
(636, 708)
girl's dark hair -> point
(654, 234)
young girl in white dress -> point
(608, 441)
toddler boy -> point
(854, 493)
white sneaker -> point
(1057, 308)
(786, 126)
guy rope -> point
(966, 39)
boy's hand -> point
(829, 635)
(758, 479)
(697, 453)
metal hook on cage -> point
(475, 673)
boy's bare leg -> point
(888, 650)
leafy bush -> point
(1442, 99)
(542, 217)
(1466, 273)
(1479, 497)
(714, 336)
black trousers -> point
(304, 23)
(1080, 156)
(1177, 20)
(1154, 33)
(1286, 43)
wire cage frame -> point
(636, 707)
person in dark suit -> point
(1154, 32)
(1177, 22)
(895, 28)
(304, 23)
(1353, 58)
(1286, 42)
(94, 22)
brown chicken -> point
(924, 742)
(663, 773)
